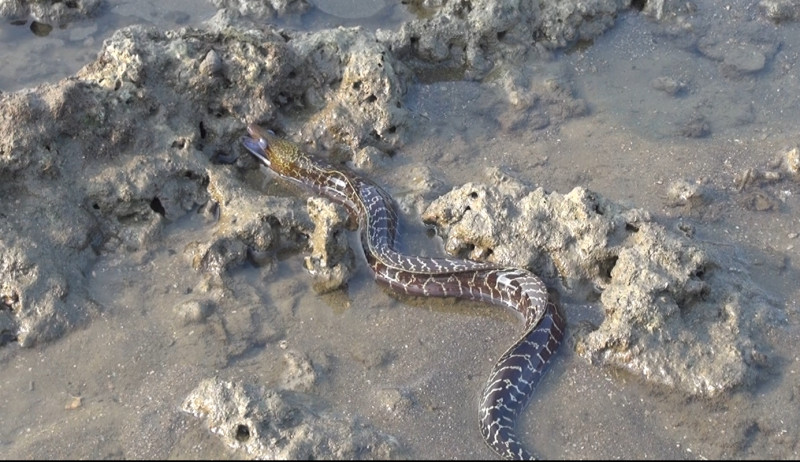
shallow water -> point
(29, 59)
(132, 366)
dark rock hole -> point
(357, 85)
(463, 8)
(273, 221)
(242, 433)
(203, 132)
(96, 206)
(211, 207)
(467, 250)
(221, 157)
(700, 273)
(607, 266)
(473, 195)
(638, 4)
(372, 98)
(40, 29)
(155, 204)
(631, 228)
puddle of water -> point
(31, 60)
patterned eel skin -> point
(520, 368)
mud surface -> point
(161, 295)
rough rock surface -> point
(263, 9)
(134, 178)
(673, 313)
(53, 13)
(468, 38)
(283, 425)
(781, 10)
(332, 261)
(250, 227)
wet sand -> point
(113, 386)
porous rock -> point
(673, 313)
(269, 423)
